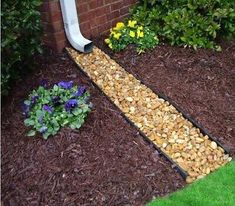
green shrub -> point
(131, 33)
(190, 23)
(48, 109)
(21, 32)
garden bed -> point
(106, 162)
(159, 121)
(200, 82)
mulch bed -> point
(155, 118)
(106, 162)
(200, 82)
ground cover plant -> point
(48, 109)
(131, 32)
(21, 39)
(196, 24)
(216, 189)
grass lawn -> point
(217, 189)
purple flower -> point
(47, 108)
(43, 129)
(34, 99)
(43, 82)
(56, 100)
(26, 109)
(66, 85)
(72, 103)
(80, 91)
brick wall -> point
(96, 17)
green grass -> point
(217, 189)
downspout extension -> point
(72, 29)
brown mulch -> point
(201, 83)
(106, 162)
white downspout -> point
(72, 29)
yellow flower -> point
(119, 25)
(116, 35)
(132, 34)
(132, 23)
(140, 28)
(111, 31)
(140, 33)
(110, 46)
(107, 41)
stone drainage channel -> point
(181, 140)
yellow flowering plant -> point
(131, 32)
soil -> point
(201, 83)
(106, 162)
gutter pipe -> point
(72, 29)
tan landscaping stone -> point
(213, 145)
(155, 117)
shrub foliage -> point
(21, 32)
(194, 23)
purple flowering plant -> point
(48, 109)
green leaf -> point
(46, 135)
(31, 133)
(28, 122)
(39, 113)
(27, 102)
(55, 88)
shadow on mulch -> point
(201, 83)
(106, 162)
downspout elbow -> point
(72, 29)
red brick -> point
(57, 26)
(45, 27)
(113, 15)
(100, 11)
(54, 6)
(61, 45)
(87, 34)
(45, 17)
(59, 36)
(52, 28)
(96, 17)
(48, 37)
(44, 7)
(117, 5)
(109, 1)
(98, 21)
(118, 19)
(95, 32)
(85, 26)
(56, 16)
(130, 2)
(58, 47)
(124, 10)
(79, 2)
(82, 8)
(96, 4)
(125, 16)
(104, 27)
(84, 17)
